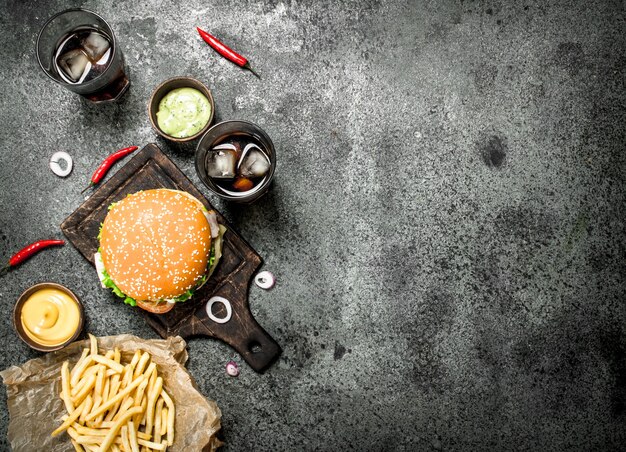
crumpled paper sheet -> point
(35, 407)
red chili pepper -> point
(106, 165)
(28, 251)
(226, 51)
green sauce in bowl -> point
(183, 112)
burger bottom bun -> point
(155, 308)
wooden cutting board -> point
(150, 168)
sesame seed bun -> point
(155, 246)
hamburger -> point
(157, 247)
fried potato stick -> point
(80, 369)
(171, 414)
(158, 417)
(141, 364)
(151, 445)
(89, 385)
(152, 396)
(132, 437)
(89, 371)
(124, 434)
(80, 360)
(70, 419)
(115, 399)
(108, 440)
(93, 342)
(163, 420)
(88, 406)
(129, 395)
(108, 362)
(66, 393)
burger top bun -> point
(155, 246)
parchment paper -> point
(35, 407)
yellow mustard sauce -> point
(50, 317)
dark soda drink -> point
(83, 55)
(236, 160)
(77, 49)
(238, 165)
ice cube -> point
(98, 68)
(253, 163)
(221, 163)
(95, 46)
(104, 59)
(230, 146)
(74, 64)
(235, 146)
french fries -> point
(115, 407)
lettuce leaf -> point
(108, 282)
(184, 297)
(211, 256)
(130, 301)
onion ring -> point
(56, 168)
(227, 305)
(232, 368)
(265, 280)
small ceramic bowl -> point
(17, 313)
(161, 91)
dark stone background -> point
(446, 226)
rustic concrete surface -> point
(447, 223)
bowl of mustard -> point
(181, 109)
(48, 316)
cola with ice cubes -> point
(238, 166)
(83, 55)
(77, 48)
